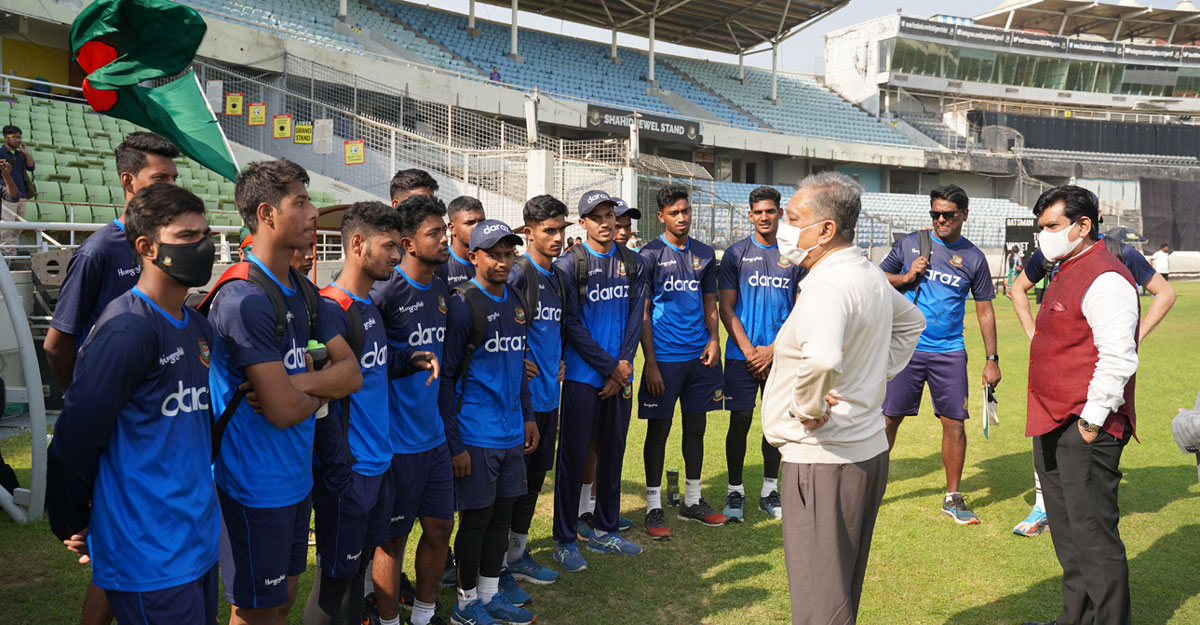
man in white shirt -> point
(1080, 411)
(822, 406)
(1161, 260)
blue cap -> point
(489, 232)
(623, 208)
(592, 199)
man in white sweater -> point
(848, 334)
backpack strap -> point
(579, 255)
(925, 240)
(533, 297)
(629, 258)
(477, 306)
(357, 338)
(1115, 248)
(312, 299)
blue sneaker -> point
(1034, 524)
(567, 556)
(513, 593)
(771, 505)
(624, 524)
(473, 614)
(584, 527)
(500, 609)
(613, 543)
(529, 570)
(956, 507)
(735, 506)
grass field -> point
(924, 568)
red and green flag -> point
(122, 44)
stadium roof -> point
(721, 25)
(1113, 21)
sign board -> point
(281, 126)
(233, 104)
(304, 134)
(649, 126)
(213, 91)
(258, 114)
(355, 152)
(323, 136)
(1020, 232)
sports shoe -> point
(450, 575)
(529, 570)
(370, 610)
(613, 543)
(567, 556)
(1034, 524)
(473, 614)
(702, 512)
(957, 508)
(624, 524)
(513, 593)
(433, 620)
(408, 593)
(584, 528)
(656, 525)
(771, 504)
(734, 502)
(502, 610)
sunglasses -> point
(948, 215)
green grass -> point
(924, 568)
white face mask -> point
(788, 237)
(1058, 245)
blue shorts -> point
(349, 524)
(741, 388)
(696, 387)
(542, 458)
(494, 473)
(947, 377)
(193, 603)
(260, 549)
(424, 484)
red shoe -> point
(656, 525)
(702, 512)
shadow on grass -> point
(1162, 579)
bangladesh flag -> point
(121, 44)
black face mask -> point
(190, 264)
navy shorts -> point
(741, 388)
(947, 377)
(696, 387)
(354, 522)
(260, 549)
(494, 473)
(542, 458)
(424, 484)
(193, 603)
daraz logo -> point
(494, 227)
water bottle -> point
(673, 499)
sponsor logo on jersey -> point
(414, 307)
(783, 262)
(132, 271)
(290, 316)
(620, 268)
(205, 353)
(355, 556)
(504, 343)
(369, 323)
(442, 304)
(185, 400)
(956, 260)
(276, 581)
(520, 315)
(680, 285)
(426, 336)
(374, 356)
(695, 263)
(592, 272)
(766, 280)
(171, 358)
(493, 316)
(667, 263)
(608, 293)
(293, 358)
(752, 259)
(494, 227)
(934, 275)
(547, 313)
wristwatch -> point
(1088, 427)
(993, 358)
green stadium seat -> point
(99, 194)
(212, 188)
(68, 174)
(82, 142)
(74, 192)
(104, 214)
(227, 188)
(92, 176)
(79, 214)
(227, 205)
(51, 191)
(117, 194)
(50, 212)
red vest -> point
(1063, 356)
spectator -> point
(1161, 261)
(17, 154)
(495, 75)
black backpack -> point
(255, 275)
(580, 258)
(477, 305)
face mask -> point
(788, 237)
(189, 264)
(1057, 245)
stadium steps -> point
(731, 104)
(935, 129)
(682, 104)
(408, 30)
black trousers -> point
(1079, 483)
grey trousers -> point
(829, 515)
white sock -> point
(769, 484)
(1037, 489)
(950, 495)
(516, 545)
(465, 597)
(653, 497)
(739, 488)
(488, 587)
(422, 613)
(691, 492)
(592, 504)
(395, 621)
(585, 496)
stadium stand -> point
(300, 19)
(935, 129)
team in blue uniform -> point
(681, 347)
(602, 320)
(757, 287)
(485, 403)
(414, 302)
(463, 214)
(133, 440)
(940, 285)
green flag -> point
(123, 43)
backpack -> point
(357, 338)
(925, 240)
(533, 296)
(477, 305)
(580, 258)
(254, 274)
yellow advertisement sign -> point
(355, 153)
(281, 126)
(233, 104)
(304, 134)
(258, 114)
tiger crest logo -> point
(205, 354)
(957, 261)
(719, 394)
(442, 304)
(620, 268)
(695, 263)
(520, 315)
(627, 392)
(783, 262)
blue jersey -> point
(606, 326)
(101, 269)
(1134, 261)
(678, 280)
(414, 316)
(766, 283)
(956, 270)
(455, 271)
(494, 392)
(370, 433)
(260, 465)
(545, 334)
(134, 438)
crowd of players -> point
(440, 372)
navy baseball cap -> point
(592, 199)
(623, 208)
(490, 232)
